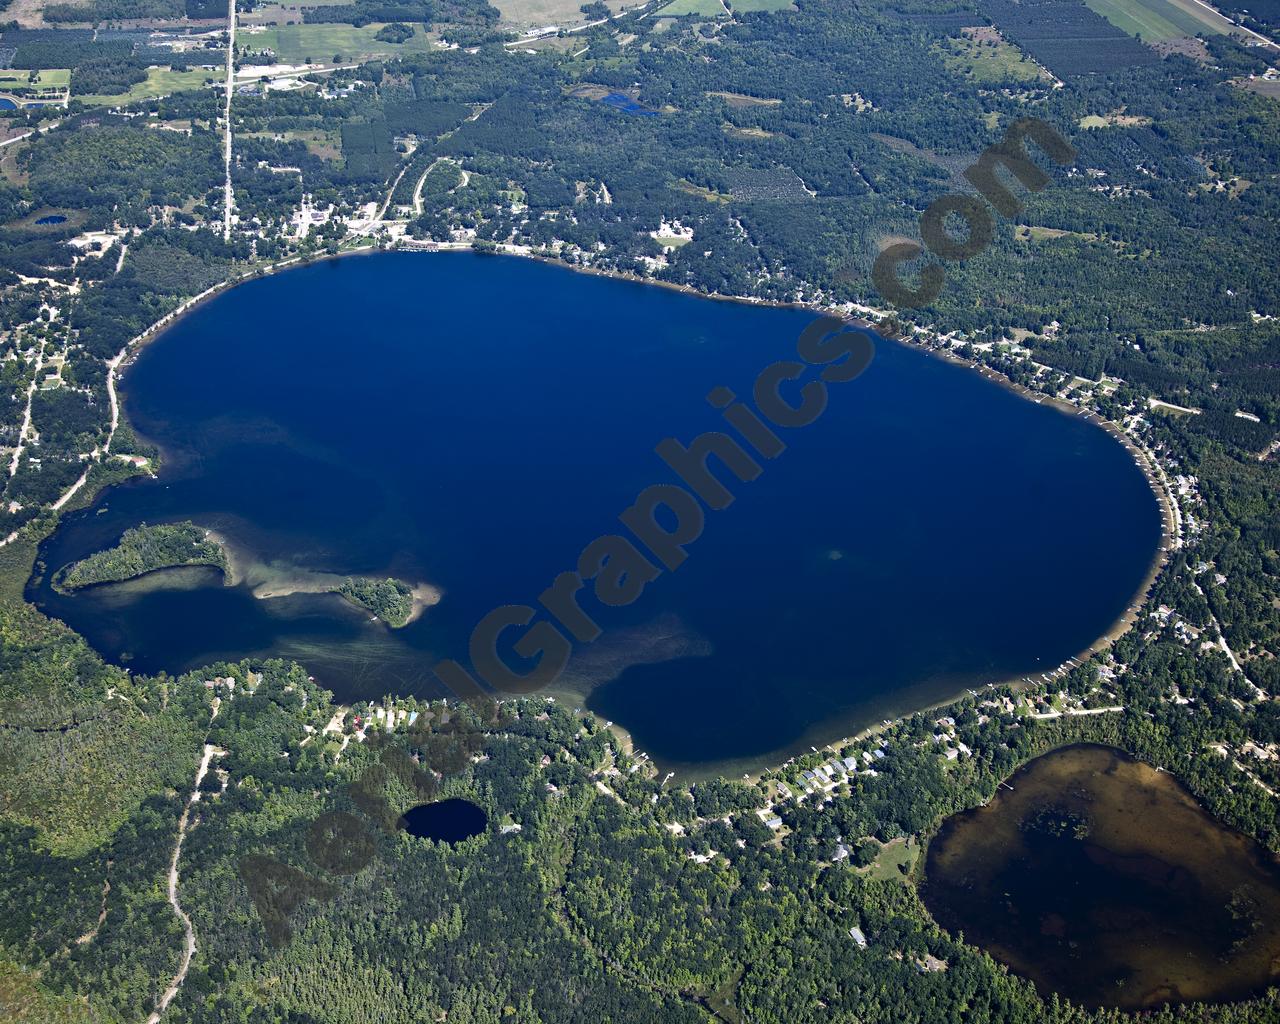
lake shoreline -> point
(916, 338)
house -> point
(858, 937)
(774, 823)
(507, 830)
(850, 765)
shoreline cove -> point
(426, 595)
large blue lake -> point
(472, 422)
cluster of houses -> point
(226, 685)
(1190, 635)
(828, 776)
(823, 779)
(944, 737)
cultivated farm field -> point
(1156, 21)
(301, 44)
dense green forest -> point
(390, 600)
(145, 549)
(792, 146)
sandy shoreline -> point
(267, 581)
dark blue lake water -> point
(445, 821)
(473, 422)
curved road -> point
(189, 950)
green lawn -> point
(160, 82)
(1154, 21)
(893, 857)
(50, 86)
(299, 44)
(50, 78)
(702, 8)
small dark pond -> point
(446, 821)
(1102, 879)
(623, 102)
(53, 218)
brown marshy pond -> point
(1103, 880)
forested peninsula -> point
(144, 549)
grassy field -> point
(9, 169)
(72, 219)
(702, 8)
(1155, 21)
(160, 82)
(303, 44)
(995, 61)
(701, 192)
(1116, 119)
(530, 14)
(1263, 87)
(1034, 233)
(746, 133)
(325, 144)
(52, 78)
(894, 861)
(558, 44)
(281, 13)
(737, 99)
